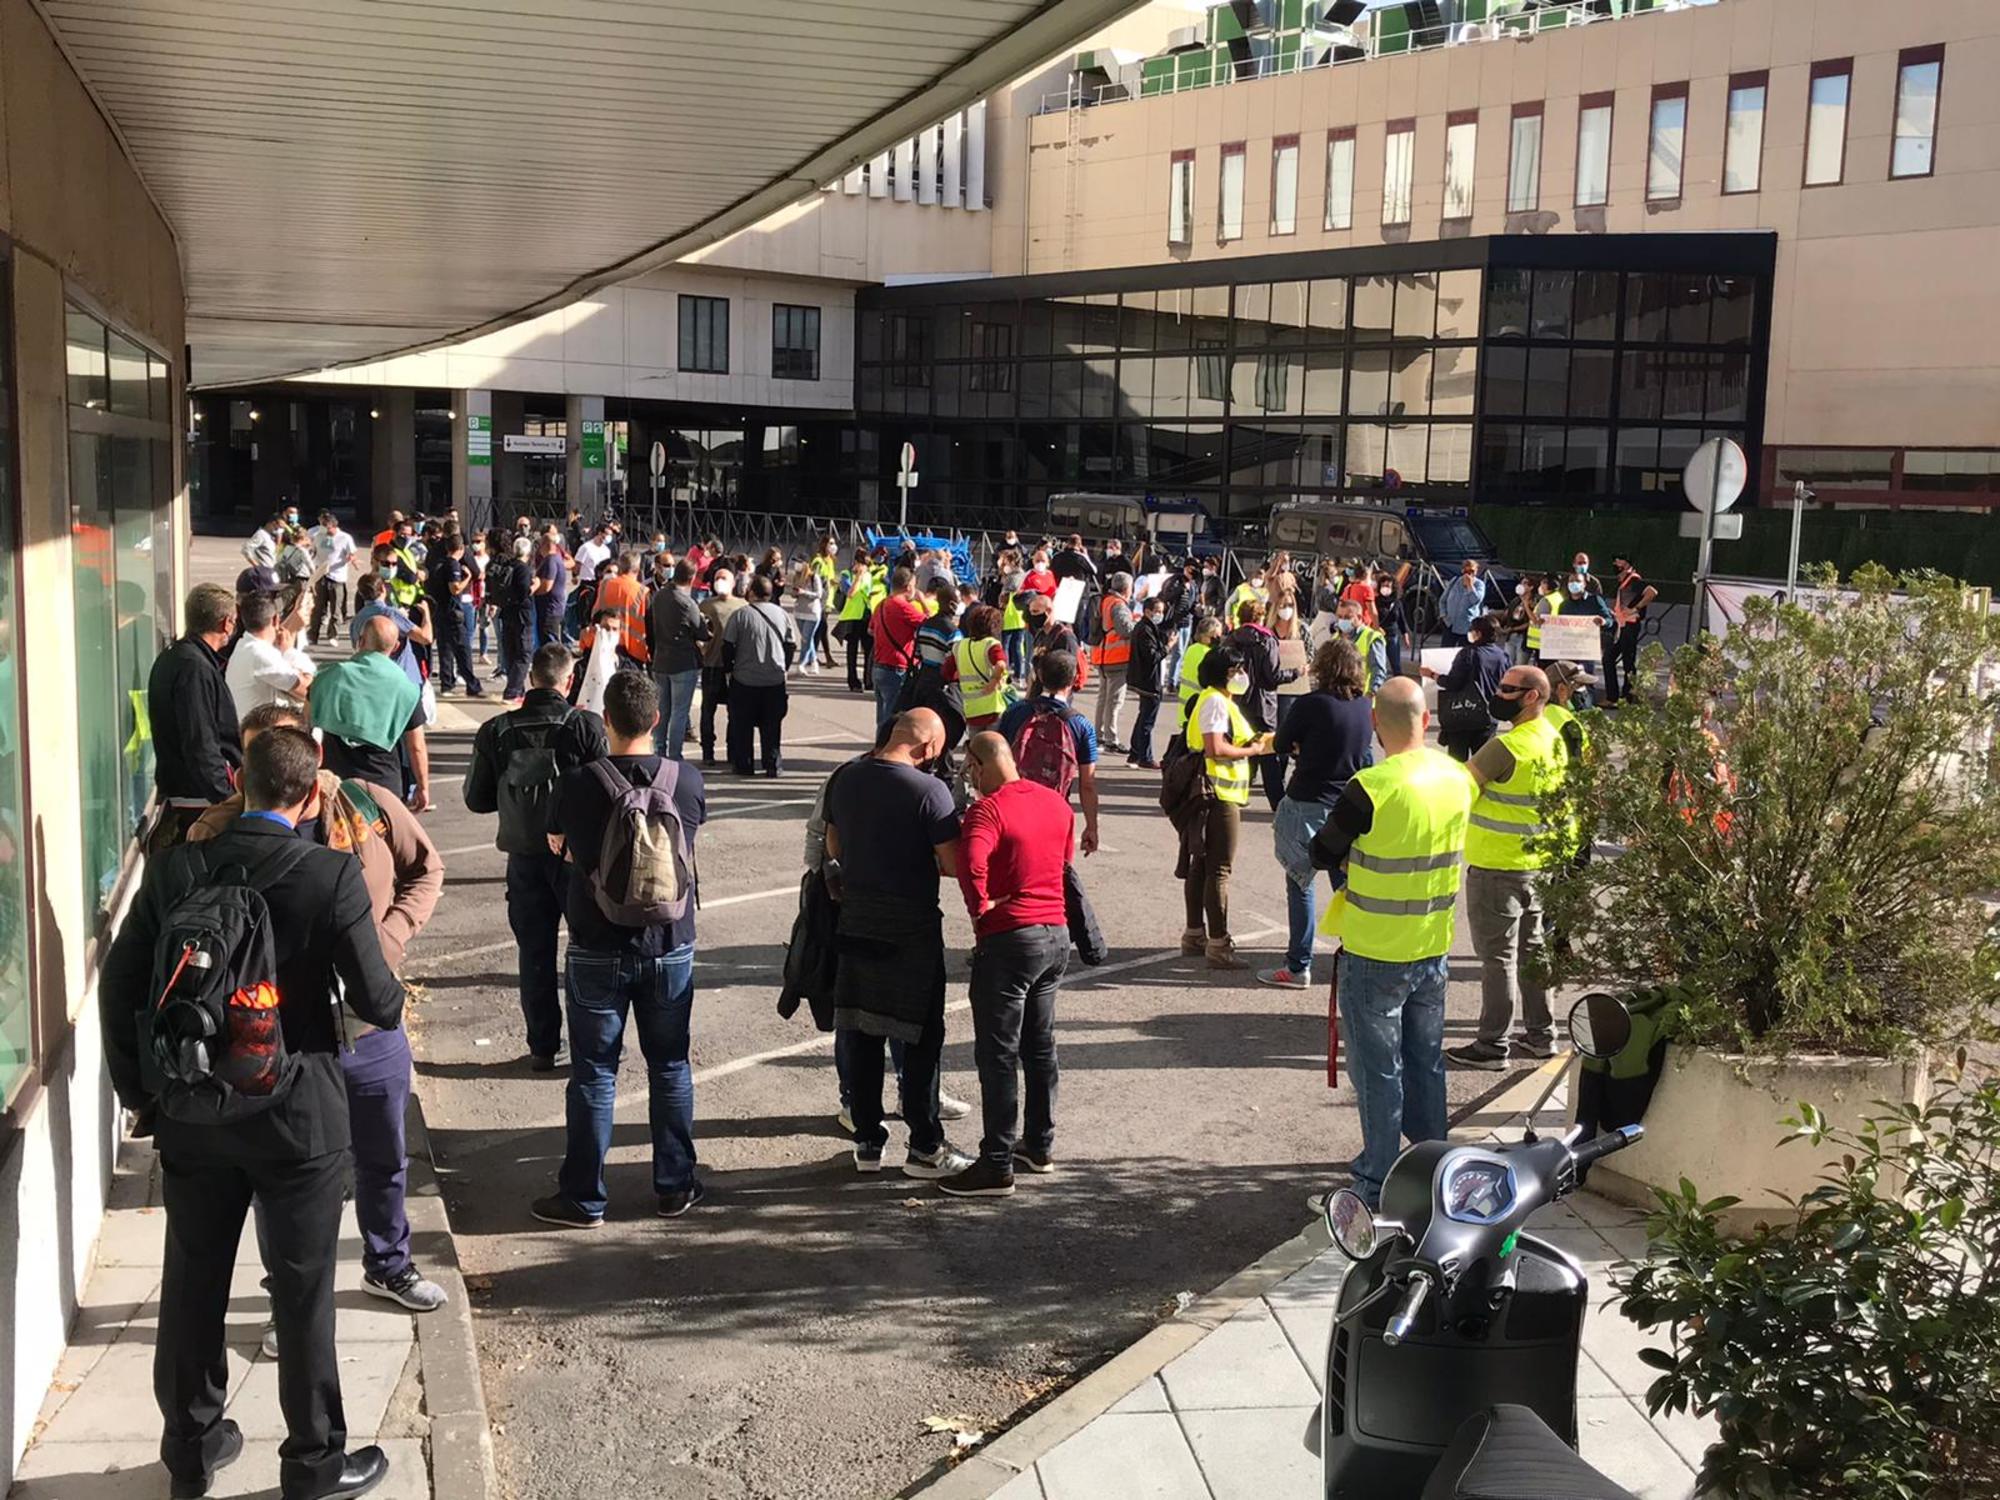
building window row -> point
(704, 338)
(1920, 72)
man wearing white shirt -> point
(265, 667)
(332, 548)
(593, 552)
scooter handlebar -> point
(1404, 1319)
(1604, 1145)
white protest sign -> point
(1572, 638)
(1439, 658)
(1068, 600)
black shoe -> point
(1485, 1056)
(227, 1454)
(867, 1158)
(708, 762)
(365, 1468)
(558, 1210)
(983, 1179)
(1038, 1162)
(673, 1205)
(547, 1063)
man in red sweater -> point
(897, 620)
(1013, 846)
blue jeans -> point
(469, 618)
(659, 992)
(1016, 642)
(1292, 833)
(888, 688)
(1393, 1018)
(677, 707)
(844, 1045)
(377, 1070)
(1142, 730)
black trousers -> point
(1015, 976)
(921, 1061)
(714, 695)
(207, 1200)
(454, 651)
(517, 649)
(327, 599)
(535, 888)
(1621, 651)
(861, 660)
(759, 711)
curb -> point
(461, 1440)
(990, 1468)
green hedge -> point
(1964, 546)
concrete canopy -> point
(353, 178)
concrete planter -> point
(1715, 1120)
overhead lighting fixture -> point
(451, 416)
(255, 414)
(372, 412)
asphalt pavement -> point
(793, 1334)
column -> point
(472, 445)
(587, 481)
(509, 411)
(393, 470)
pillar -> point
(587, 480)
(472, 443)
(510, 416)
(392, 418)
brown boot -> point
(1194, 943)
(1222, 954)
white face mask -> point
(1286, 614)
(1346, 626)
(724, 587)
(1239, 683)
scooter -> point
(1452, 1309)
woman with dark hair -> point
(979, 660)
(773, 568)
(1465, 688)
(1330, 735)
(1218, 732)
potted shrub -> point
(1804, 826)
(1854, 1351)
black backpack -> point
(529, 771)
(212, 1043)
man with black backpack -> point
(517, 760)
(626, 825)
(1054, 743)
(220, 1006)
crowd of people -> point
(251, 1001)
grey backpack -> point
(645, 869)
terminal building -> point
(1475, 253)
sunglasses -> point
(1511, 689)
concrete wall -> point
(1885, 290)
(81, 227)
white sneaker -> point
(946, 1161)
(846, 1119)
(268, 1344)
(951, 1107)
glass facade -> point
(1437, 373)
(16, 1013)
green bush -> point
(1854, 1353)
(1806, 826)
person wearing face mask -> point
(1581, 597)
(1149, 673)
(1218, 731)
(1629, 601)
(1369, 644)
(1392, 842)
(1361, 590)
(1257, 648)
(1113, 655)
(1206, 636)
(1251, 588)
(715, 612)
(1580, 568)
(1326, 588)
(1475, 672)
(1506, 849)
(1391, 620)
(1462, 601)
(1516, 620)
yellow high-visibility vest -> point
(1403, 874)
(982, 685)
(1508, 814)
(1229, 778)
(1190, 683)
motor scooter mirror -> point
(1352, 1224)
(1600, 1025)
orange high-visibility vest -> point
(629, 597)
(1115, 649)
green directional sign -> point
(479, 441)
(593, 445)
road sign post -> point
(657, 461)
(906, 480)
(1800, 495)
(1712, 481)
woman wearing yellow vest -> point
(1206, 634)
(1218, 732)
(1012, 578)
(1550, 603)
(826, 565)
(981, 665)
(852, 626)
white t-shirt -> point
(1213, 715)
(262, 549)
(260, 673)
(331, 550)
(588, 556)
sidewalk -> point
(408, 1383)
(1216, 1403)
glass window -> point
(1229, 217)
(1266, 383)
(1285, 185)
(1729, 388)
(1548, 382)
(1399, 169)
(1667, 143)
(1288, 312)
(1836, 468)
(1454, 379)
(1743, 136)
(1592, 372)
(1507, 304)
(1593, 152)
(1211, 370)
(1458, 305)
(1340, 180)
(1180, 200)
(1408, 457)
(1416, 306)
(1918, 73)
(1596, 305)
(89, 369)
(1734, 308)
(1643, 389)
(1368, 383)
(1687, 312)
(1554, 292)
(1638, 460)
(1451, 453)
(1326, 310)
(1374, 307)
(907, 349)
(794, 342)
(1461, 145)
(705, 335)
(1587, 461)
(993, 345)
(1325, 384)
(1826, 122)
(1524, 161)
(1506, 380)
(1949, 472)
(1647, 298)
(17, 1038)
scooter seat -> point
(1508, 1453)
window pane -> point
(1398, 175)
(1687, 315)
(1638, 460)
(1668, 142)
(1826, 129)
(1340, 183)
(1590, 380)
(1460, 146)
(1325, 384)
(1835, 468)
(1587, 461)
(1454, 378)
(1743, 145)
(1948, 472)
(1409, 383)
(1374, 307)
(1916, 119)
(1231, 222)
(89, 372)
(16, 1018)
(1458, 305)
(1507, 304)
(1729, 388)
(1408, 456)
(1368, 383)
(1593, 156)
(1548, 382)
(1553, 293)
(1646, 300)
(1285, 189)
(1524, 166)
(130, 396)
(1644, 387)
(1416, 306)
(1597, 305)
(1733, 307)
(1180, 203)
(1451, 453)
(1506, 380)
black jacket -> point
(675, 631)
(1152, 654)
(579, 742)
(1068, 564)
(322, 927)
(195, 740)
(1260, 659)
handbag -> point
(1463, 713)
(1082, 921)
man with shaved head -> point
(1505, 852)
(891, 828)
(370, 715)
(1013, 850)
(1397, 838)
